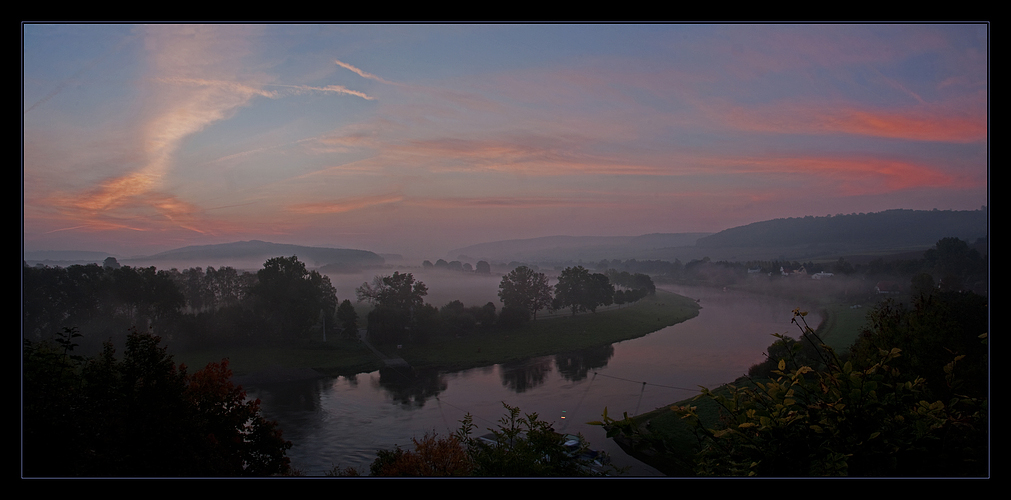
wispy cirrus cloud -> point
(184, 104)
(154, 212)
(363, 74)
(344, 205)
(251, 90)
(507, 202)
(224, 85)
(626, 124)
(337, 89)
(530, 155)
(196, 86)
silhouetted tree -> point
(290, 297)
(486, 315)
(579, 290)
(348, 319)
(398, 299)
(399, 291)
(524, 289)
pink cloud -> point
(852, 176)
(346, 205)
(922, 123)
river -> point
(343, 421)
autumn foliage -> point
(432, 456)
(521, 446)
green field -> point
(842, 324)
(558, 333)
(553, 335)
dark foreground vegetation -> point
(91, 412)
(521, 446)
(910, 398)
(139, 415)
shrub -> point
(522, 446)
(863, 417)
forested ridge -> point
(891, 228)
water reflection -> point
(411, 387)
(303, 396)
(345, 421)
(521, 376)
(575, 365)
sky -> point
(418, 139)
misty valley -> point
(291, 370)
(505, 249)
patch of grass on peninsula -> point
(548, 336)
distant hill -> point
(64, 258)
(855, 232)
(799, 238)
(588, 248)
(254, 253)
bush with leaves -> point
(521, 446)
(432, 457)
(524, 446)
(863, 418)
(931, 332)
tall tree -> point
(348, 319)
(955, 263)
(398, 299)
(525, 289)
(579, 290)
(398, 291)
(291, 297)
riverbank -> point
(840, 324)
(545, 336)
(263, 363)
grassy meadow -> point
(562, 332)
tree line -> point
(282, 301)
(400, 314)
(285, 301)
(482, 267)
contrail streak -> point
(362, 73)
